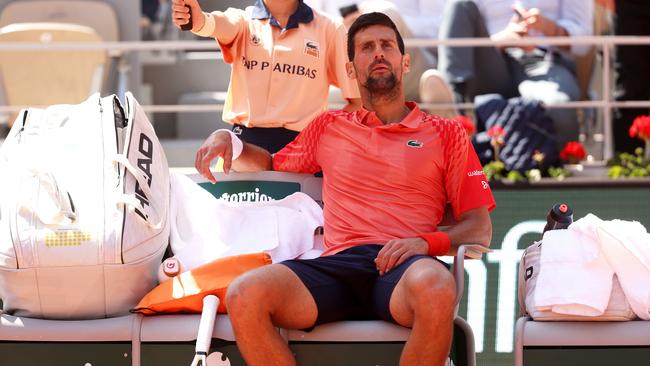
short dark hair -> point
(369, 19)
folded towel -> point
(627, 248)
(587, 226)
(574, 277)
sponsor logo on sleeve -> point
(479, 173)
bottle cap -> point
(171, 267)
(559, 217)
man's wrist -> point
(237, 144)
(438, 242)
(209, 24)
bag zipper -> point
(13, 226)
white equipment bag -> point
(84, 197)
(618, 308)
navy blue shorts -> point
(347, 285)
(270, 139)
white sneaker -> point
(449, 362)
(435, 89)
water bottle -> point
(559, 217)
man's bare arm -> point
(253, 159)
(472, 227)
(224, 30)
(219, 145)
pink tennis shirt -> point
(281, 76)
(383, 182)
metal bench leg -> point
(469, 340)
(519, 341)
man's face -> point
(378, 62)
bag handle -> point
(130, 201)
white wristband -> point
(209, 25)
(237, 144)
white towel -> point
(588, 226)
(576, 266)
(204, 228)
(574, 277)
(627, 248)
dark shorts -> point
(347, 285)
(270, 139)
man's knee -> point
(245, 293)
(432, 286)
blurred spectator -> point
(155, 19)
(413, 18)
(545, 73)
(330, 7)
(423, 17)
(632, 69)
(150, 9)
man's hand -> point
(218, 144)
(396, 251)
(516, 29)
(181, 15)
(535, 20)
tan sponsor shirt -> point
(281, 77)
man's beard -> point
(385, 85)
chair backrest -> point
(49, 77)
(97, 15)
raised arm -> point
(216, 24)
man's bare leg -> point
(262, 299)
(424, 301)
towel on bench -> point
(204, 228)
(577, 265)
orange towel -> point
(185, 292)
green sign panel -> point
(251, 191)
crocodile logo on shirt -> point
(255, 39)
(311, 48)
(415, 144)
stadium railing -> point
(605, 43)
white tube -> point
(206, 325)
